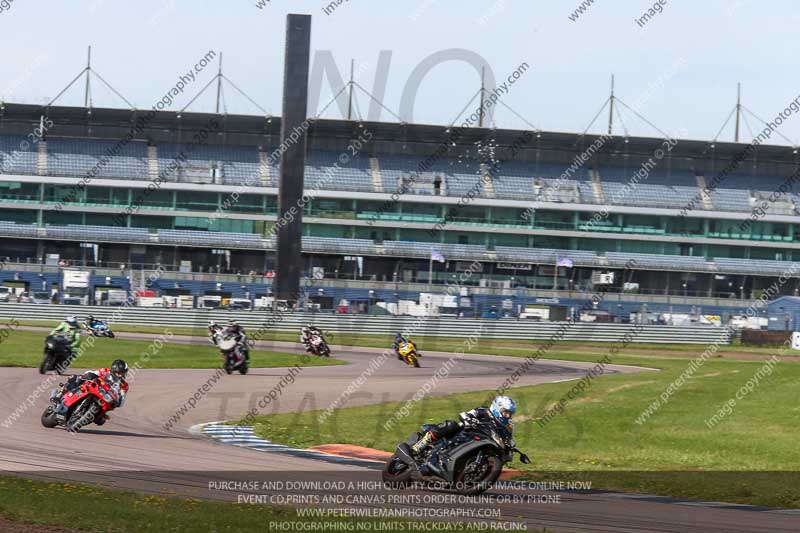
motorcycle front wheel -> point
(83, 415)
(49, 417)
(47, 363)
(474, 478)
(396, 474)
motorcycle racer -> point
(115, 374)
(501, 411)
(70, 329)
(399, 339)
(236, 332)
(307, 333)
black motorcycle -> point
(469, 463)
(57, 354)
(234, 354)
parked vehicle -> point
(5, 294)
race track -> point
(135, 451)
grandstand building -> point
(108, 187)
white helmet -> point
(503, 408)
(71, 321)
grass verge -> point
(24, 348)
(597, 436)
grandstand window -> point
(100, 219)
(508, 215)
(464, 238)
(19, 216)
(248, 203)
(433, 210)
(598, 245)
(14, 190)
(229, 225)
(196, 201)
(645, 247)
(771, 254)
(734, 252)
(63, 193)
(509, 240)
(417, 235)
(472, 214)
(328, 230)
(142, 221)
(642, 221)
(62, 218)
(555, 220)
(271, 204)
(685, 226)
(369, 207)
(152, 198)
(546, 241)
(120, 196)
(324, 207)
(98, 195)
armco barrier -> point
(507, 328)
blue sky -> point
(142, 48)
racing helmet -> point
(119, 368)
(71, 322)
(503, 408)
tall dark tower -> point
(290, 188)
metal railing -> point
(503, 328)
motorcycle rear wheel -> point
(244, 368)
(110, 334)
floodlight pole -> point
(483, 91)
(611, 108)
(88, 71)
(350, 92)
(219, 81)
(738, 109)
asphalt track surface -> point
(134, 450)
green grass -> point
(596, 435)
(102, 510)
(24, 348)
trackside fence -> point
(503, 328)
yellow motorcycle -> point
(407, 351)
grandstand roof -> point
(256, 130)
